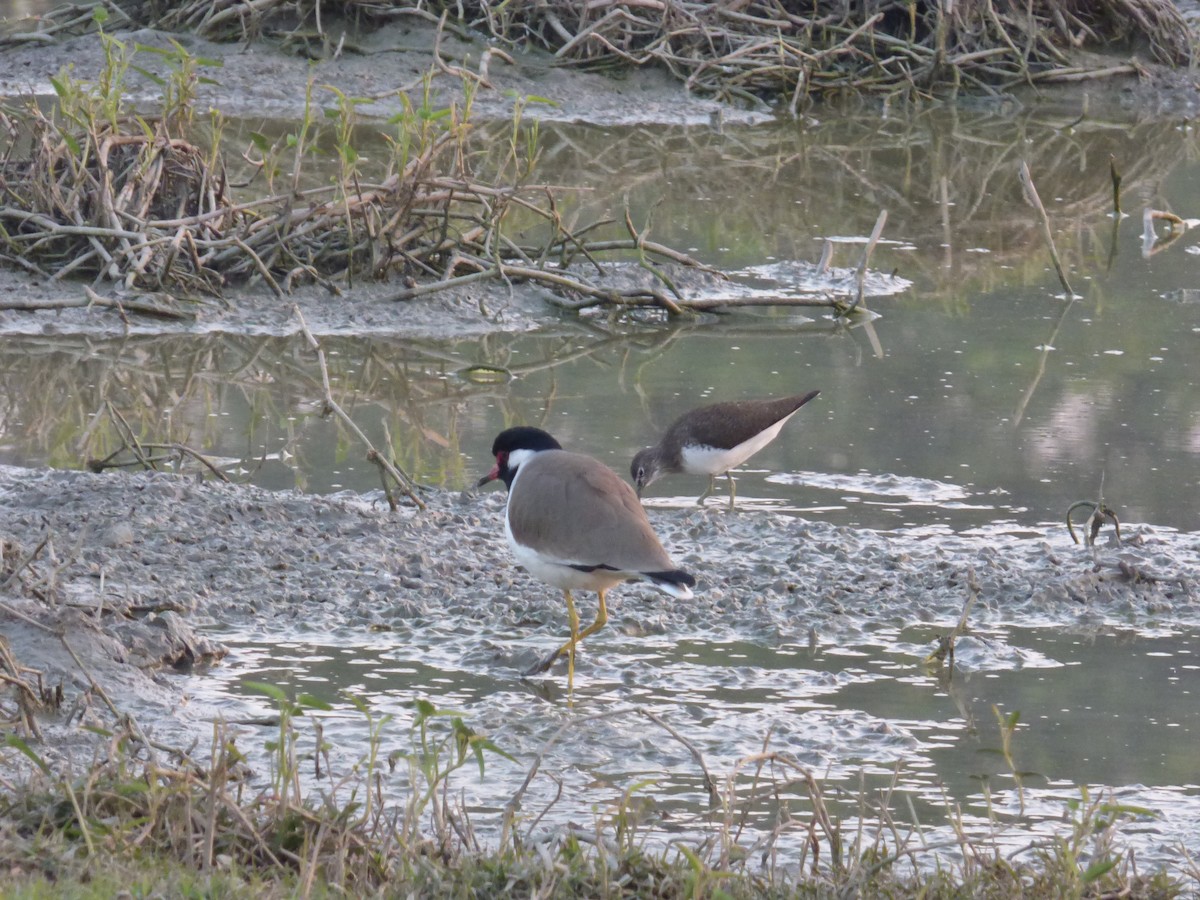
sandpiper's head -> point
(512, 447)
(645, 468)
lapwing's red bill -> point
(574, 524)
(490, 476)
(711, 440)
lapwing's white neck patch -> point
(518, 458)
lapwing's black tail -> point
(676, 582)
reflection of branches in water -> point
(948, 180)
(171, 388)
(1047, 346)
(640, 353)
(55, 392)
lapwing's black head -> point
(511, 447)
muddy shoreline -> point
(136, 567)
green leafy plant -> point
(179, 88)
(285, 761)
(441, 743)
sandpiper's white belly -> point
(700, 460)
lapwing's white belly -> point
(699, 460)
(558, 573)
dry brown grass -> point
(92, 189)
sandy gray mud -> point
(135, 567)
(131, 569)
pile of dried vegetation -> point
(92, 188)
(778, 51)
(791, 52)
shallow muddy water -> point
(976, 403)
(867, 705)
(867, 719)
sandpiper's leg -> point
(732, 489)
(712, 486)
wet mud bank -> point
(112, 583)
(260, 80)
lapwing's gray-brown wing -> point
(580, 512)
(725, 425)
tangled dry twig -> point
(789, 51)
(750, 49)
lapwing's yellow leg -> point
(573, 616)
(732, 489)
(568, 647)
(601, 618)
(712, 486)
(577, 637)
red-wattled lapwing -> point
(573, 523)
(713, 439)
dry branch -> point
(387, 469)
(1035, 201)
(146, 455)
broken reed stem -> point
(127, 435)
(640, 247)
(1098, 512)
(139, 450)
(1116, 185)
(174, 450)
(860, 276)
(386, 466)
(945, 647)
(1151, 244)
(28, 620)
(1031, 195)
(709, 783)
(28, 560)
